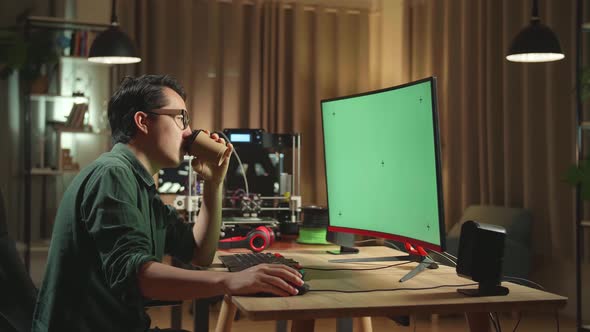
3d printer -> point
(262, 186)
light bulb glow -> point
(114, 59)
(535, 57)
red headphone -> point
(256, 240)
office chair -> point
(517, 247)
(19, 294)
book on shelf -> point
(80, 42)
(76, 116)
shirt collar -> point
(140, 171)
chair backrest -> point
(19, 294)
(518, 224)
(517, 221)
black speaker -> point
(481, 252)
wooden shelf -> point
(45, 171)
(64, 129)
(586, 28)
(50, 171)
(82, 131)
(52, 98)
(73, 57)
(585, 223)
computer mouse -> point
(302, 289)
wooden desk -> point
(313, 305)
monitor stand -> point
(344, 251)
(416, 254)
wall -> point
(93, 11)
(9, 10)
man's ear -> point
(140, 119)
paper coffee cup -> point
(203, 147)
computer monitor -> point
(383, 169)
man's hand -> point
(267, 278)
(211, 172)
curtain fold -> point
(255, 64)
(508, 129)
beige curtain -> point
(255, 64)
(508, 129)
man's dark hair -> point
(143, 93)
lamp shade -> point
(113, 46)
(535, 43)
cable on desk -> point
(448, 254)
(395, 246)
(392, 245)
(347, 269)
(365, 241)
(443, 256)
(389, 289)
(518, 280)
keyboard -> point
(239, 262)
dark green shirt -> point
(109, 223)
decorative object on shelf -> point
(113, 45)
(63, 42)
(67, 162)
(535, 43)
(82, 82)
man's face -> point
(166, 133)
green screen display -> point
(381, 153)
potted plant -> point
(580, 174)
(33, 57)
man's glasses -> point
(180, 116)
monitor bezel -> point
(436, 137)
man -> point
(112, 229)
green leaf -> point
(585, 192)
(573, 175)
(579, 174)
